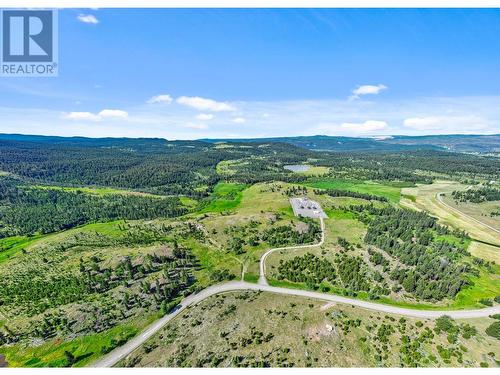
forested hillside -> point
(153, 165)
(101, 237)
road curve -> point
(439, 197)
(262, 265)
(119, 353)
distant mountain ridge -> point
(479, 144)
(482, 144)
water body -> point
(297, 167)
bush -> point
(444, 323)
(486, 302)
(221, 275)
(494, 330)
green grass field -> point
(391, 192)
(226, 196)
(10, 246)
(315, 171)
(96, 190)
(85, 349)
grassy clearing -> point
(230, 167)
(251, 278)
(260, 198)
(315, 171)
(85, 349)
(226, 196)
(391, 192)
(96, 190)
(484, 251)
(110, 228)
(212, 259)
(188, 202)
(10, 246)
(343, 224)
(486, 286)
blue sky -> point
(194, 73)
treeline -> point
(348, 272)
(151, 165)
(153, 282)
(277, 235)
(483, 194)
(28, 210)
(287, 235)
(254, 170)
(181, 167)
(433, 268)
(308, 269)
(352, 194)
(407, 166)
(428, 266)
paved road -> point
(113, 357)
(262, 265)
(439, 197)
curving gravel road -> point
(262, 265)
(113, 357)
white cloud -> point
(421, 123)
(88, 18)
(367, 90)
(239, 120)
(162, 98)
(89, 116)
(113, 113)
(204, 104)
(415, 116)
(369, 126)
(80, 116)
(447, 124)
(353, 128)
(198, 126)
(205, 116)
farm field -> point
(480, 211)
(424, 197)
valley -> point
(87, 268)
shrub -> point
(444, 323)
(486, 302)
(494, 330)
